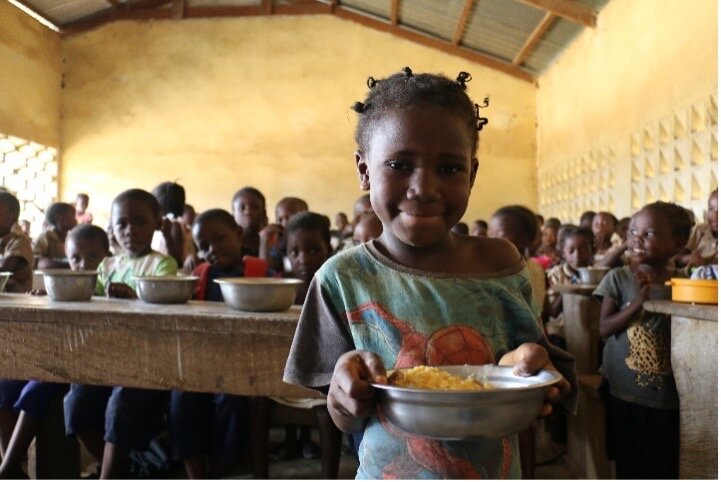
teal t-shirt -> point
(122, 268)
(362, 300)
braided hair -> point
(405, 90)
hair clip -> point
(462, 78)
(358, 107)
(481, 122)
(407, 71)
(371, 82)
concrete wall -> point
(222, 103)
(645, 60)
(30, 78)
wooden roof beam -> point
(433, 42)
(142, 9)
(395, 7)
(178, 9)
(534, 38)
(39, 13)
(463, 21)
(569, 9)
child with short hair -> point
(375, 307)
(643, 414)
(206, 427)
(586, 219)
(272, 238)
(248, 207)
(86, 246)
(479, 228)
(604, 229)
(367, 228)
(174, 238)
(130, 417)
(82, 215)
(702, 247)
(50, 245)
(547, 254)
(16, 252)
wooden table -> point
(694, 360)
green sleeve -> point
(167, 266)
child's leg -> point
(84, 407)
(330, 442)
(132, 418)
(230, 430)
(190, 427)
(32, 405)
(9, 393)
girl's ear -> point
(362, 170)
(474, 170)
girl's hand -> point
(351, 398)
(642, 276)
(120, 290)
(528, 359)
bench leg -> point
(54, 455)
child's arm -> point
(527, 360)
(554, 307)
(20, 269)
(615, 319)
(351, 398)
(120, 290)
(612, 258)
(173, 234)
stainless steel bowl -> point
(69, 285)
(4, 277)
(165, 289)
(592, 276)
(508, 407)
(259, 294)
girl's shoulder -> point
(489, 256)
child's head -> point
(622, 227)
(712, 212)
(81, 202)
(576, 246)
(549, 233)
(341, 221)
(658, 232)
(460, 228)
(604, 225)
(287, 207)
(249, 209)
(308, 243)
(586, 220)
(516, 224)
(9, 211)
(25, 226)
(86, 246)
(417, 137)
(61, 218)
(479, 228)
(362, 205)
(135, 215)
(188, 215)
(219, 239)
(171, 198)
(367, 228)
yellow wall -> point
(644, 59)
(30, 59)
(222, 103)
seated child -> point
(576, 247)
(206, 427)
(308, 237)
(16, 253)
(86, 246)
(82, 215)
(50, 245)
(642, 413)
(249, 212)
(272, 238)
(367, 228)
(479, 228)
(586, 220)
(547, 255)
(375, 307)
(188, 216)
(130, 417)
(460, 228)
(702, 247)
(343, 229)
(174, 238)
(604, 228)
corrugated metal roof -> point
(378, 8)
(434, 17)
(561, 34)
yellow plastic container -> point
(694, 290)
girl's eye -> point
(450, 169)
(396, 164)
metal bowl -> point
(4, 277)
(259, 294)
(592, 276)
(508, 407)
(165, 289)
(69, 285)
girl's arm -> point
(612, 257)
(351, 398)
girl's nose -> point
(423, 186)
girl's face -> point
(651, 240)
(249, 212)
(577, 251)
(602, 226)
(133, 226)
(66, 222)
(220, 244)
(307, 251)
(419, 169)
(712, 213)
(85, 254)
(548, 236)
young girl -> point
(130, 417)
(249, 213)
(86, 247)
(643, 435)
(272, 237)
(418, 294)
(604, 229)
(50, 245)
(16, 253)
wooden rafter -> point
(436, 43)
(114, 3)
(569, 9)
(534, 38)
(178, 9)
(267, 7)
(39, 13)
(395, 7)
(463, 21)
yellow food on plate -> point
(432, 378)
